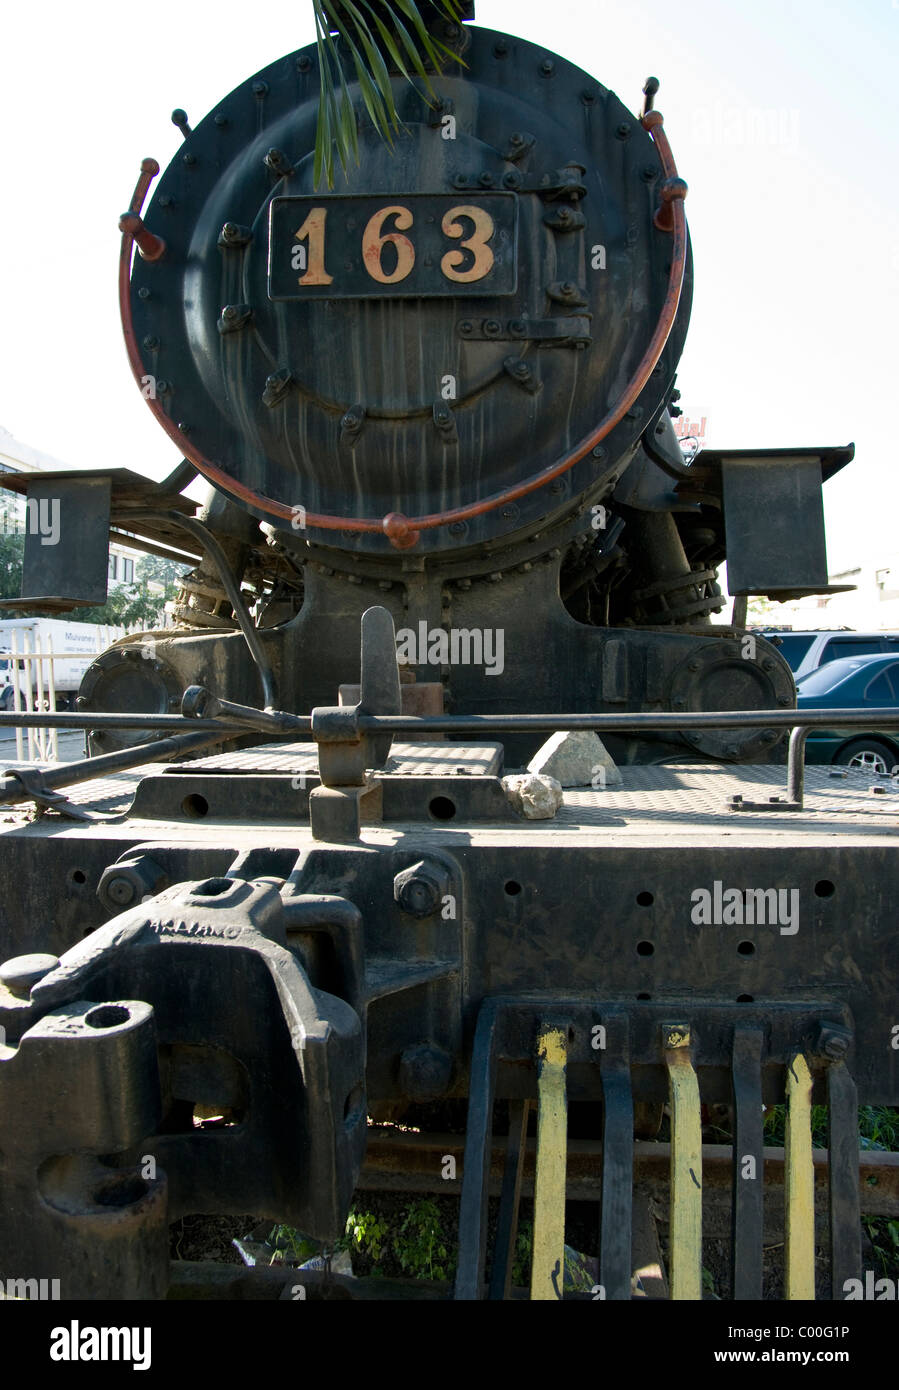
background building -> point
(18, 457)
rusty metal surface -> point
(682, 798)
(400, 1161)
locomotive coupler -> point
(176, 1061)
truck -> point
(73, 647)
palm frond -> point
(404, 36)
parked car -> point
(806, 651)
(853, 682)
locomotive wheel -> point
(866, 755)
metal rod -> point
(87, 769)
(172, 722)
(796, 764)
(229, 584)
(686, 1172)
(483, 723)
(799, 1184)
(548, 1252)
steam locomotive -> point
(448, 516)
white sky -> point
(780, 118)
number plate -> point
(393, 246)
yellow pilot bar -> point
(800, 1183)
(548, 1262)
(686, 1166)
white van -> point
(73, 646)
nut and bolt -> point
(833, 1041)
(121, 891)
(420, 889)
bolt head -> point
(833, 1041)
(121, 891)
(425, 1071)
(675, 1035)
(418, 896)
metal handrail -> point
(279, 722)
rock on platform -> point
(576, 760)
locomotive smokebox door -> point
(66, 542)
(453, 317)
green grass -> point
(414, 1244)
(878, 1127)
